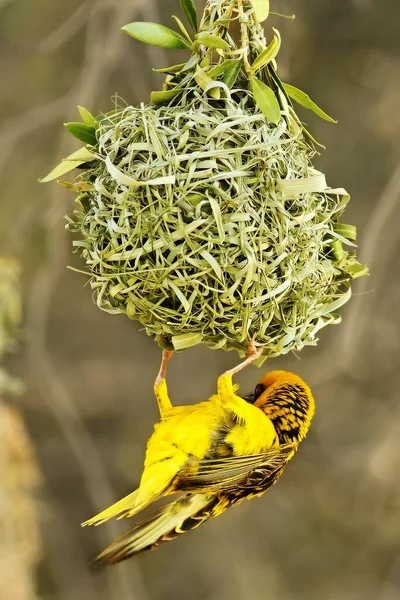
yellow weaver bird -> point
(215, 453)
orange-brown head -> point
(287, 400)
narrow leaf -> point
(191, 63)
(172, 69)
(87, 117)
(218, 219)
(212, 41)
(190, 11)
(213, 263)
(72, 161)
(222, 68)
(183, 29)
(187, 340)
(121, 177)
(357, 270)
(232, 73)
(261, 8)
(204, 81)
(303, 185)
(304, 100)
(163, 97)
(268, 54)
(180, 296)
(156, 35)
(266, 100)
(230, 70)
(333, 306)
(337, 249)
(347, 231)
(83, 132)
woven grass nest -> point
(200, 214)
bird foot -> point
(166, 356)
(252, 351)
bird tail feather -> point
(188, 512)
(127, 505)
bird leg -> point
(224, 384)
(160, 385)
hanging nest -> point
(200, 215)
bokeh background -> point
(330, 530)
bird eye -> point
(260, 388)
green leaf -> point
(261, 8)
(337, 249)
(266, 100)
(205, 62)
(230, 70)
(186, 305)
(172, 69)
(83, 132)
(291, 187)
(204, 81)
(190, 11)
(332, 306)
(347, 231)
(232, 73)
(221, 68)
(72, 161)
(87, 117)
(183, 29)
(156, 35)
(357, 270)
(218, 219)
(163, 97)
(304, 100)
(213, 263)
(268, 54)
(187, 340)
(125, 179)
(191, 63)
(212, 41)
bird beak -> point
(250, 398)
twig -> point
(245, 44)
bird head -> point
(287, 401)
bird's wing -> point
(223, 474)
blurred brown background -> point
(330, 530)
